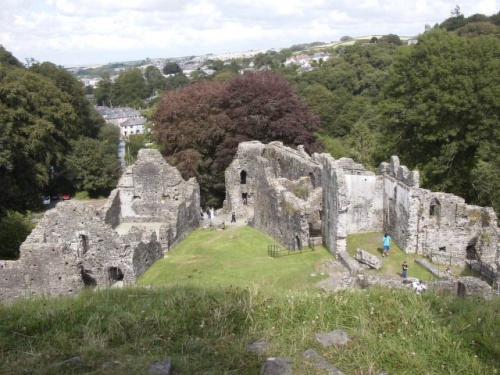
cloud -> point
(70, 32)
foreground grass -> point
(219, 291)
(206, 330)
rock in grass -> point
(277, 366)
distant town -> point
(303, 58)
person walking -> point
(404, 272)
(386, 240)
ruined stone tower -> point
(75, 246)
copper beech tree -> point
(199, 127)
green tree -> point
(129, 89)
(7, 58)
(93, 168)
(155, 81)
(14, 228)
(37, 122)
(442, 106)
(391, 38)
(172, 68)
(88, 121)
(177, 81)
(102, 92)
(456, 20)
(344, 93)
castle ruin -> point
(299, 200)
(74, 246)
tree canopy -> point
(442, 112)
(200, 126)
(37, 123)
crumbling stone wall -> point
(152, 191)
(291, 191)
(283, 191)
(72, 247)
(437, 224)
(76, 246)
(297, 198)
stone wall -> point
(282, 188)
(289, 191)
(72, 247)
(437, 224)
(75, 246)
(296, 198)
(152, 191)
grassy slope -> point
(205, 325)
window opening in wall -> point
(87, 279)
(313, 180)
(244, 197)
(442, 248)
(435, 208)
(243, 177)
(315, 229)
(84, 242)
(114, 274)
(471, 253)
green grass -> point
(219, 291)
(236, 256)
(392, 264)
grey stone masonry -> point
(296, 198)
(72, 247)
(371, 260)
(75, 246)
(152, 191)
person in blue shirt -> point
(386, 240)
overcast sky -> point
(79, 32)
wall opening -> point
(471, 252)
(435, 208)
(84, 243)
(114, 274)
(315, 229)
(298, 243)
(243, 177)
(244, 198)
(313, 180)
(87, 279)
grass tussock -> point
(237, 295)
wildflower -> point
(399, 331)
(412, 353)
(479, 320)
(406, 323)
